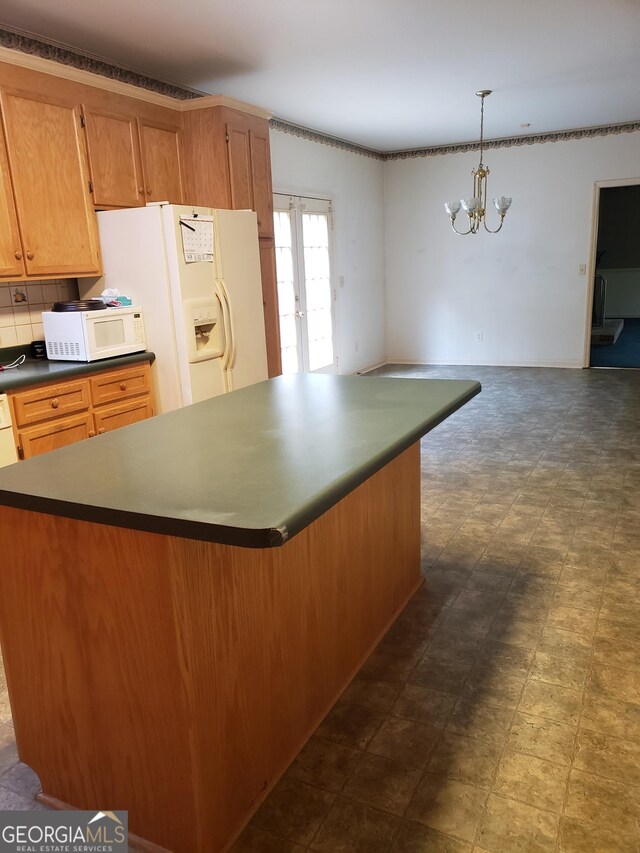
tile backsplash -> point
(21, 306)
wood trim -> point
(199, 666)
(78, 75)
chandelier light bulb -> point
(476, 205)
(470, 204)
(502, 204)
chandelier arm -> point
(494, 230)
(461, 233)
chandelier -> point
(476, 206)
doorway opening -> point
(306, 298)
(614, 335)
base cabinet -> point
(57, 414)
(54, 434)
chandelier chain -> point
(481, 127)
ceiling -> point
(385, 74)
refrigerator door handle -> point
(230, 348)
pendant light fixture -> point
(476, 206)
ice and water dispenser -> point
(204, 327)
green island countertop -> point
(250, 468)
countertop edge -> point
(270, 537)
(19, 378)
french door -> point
(305, 292)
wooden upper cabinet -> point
(261, 178)
(239, 148)
(114, 159)
(161, 162)
(51, 184)
(11, 263)
(250, 168)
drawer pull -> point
(101, 430)
(55, 403)
(123, 386)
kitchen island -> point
(184, 599)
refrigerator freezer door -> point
(135, 262)
(192, 284)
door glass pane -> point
(286, 291)
(315, 236)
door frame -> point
(591, 265)
(316, 195)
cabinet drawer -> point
(57, 433)
(120, 385)
(114, 417)
(51, 401)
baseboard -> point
(572, 364)
(369, 367)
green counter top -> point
(250, 468)
(37, 370)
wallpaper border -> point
(65, 56)
(85, 62)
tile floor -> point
(502, 711)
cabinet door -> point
(55, 434)
(160, 146)
(261, 179)
(114, 417)
(114, 159)
(51, 183)
(239, 153)
(11, 264)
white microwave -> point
(92, 335)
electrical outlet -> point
(479, 336)
(582, 269)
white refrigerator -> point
(196, 273)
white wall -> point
(520, 289)
(355, 185)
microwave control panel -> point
(138, 328)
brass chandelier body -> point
(476, 206)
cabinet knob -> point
(55, 403)
(30, 255)
(101, 430)
(141, 190)
(123, 386)
(148, 190)
(18, 255)
(92, 432)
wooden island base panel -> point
(182, 677)
(183, 600)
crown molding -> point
(222, 101)
(180, 100)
